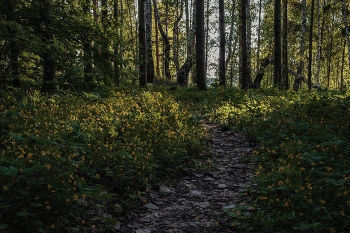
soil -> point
(195, 203)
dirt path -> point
(195, 203)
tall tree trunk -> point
(116, 43)
(297, 80)
(207, 33)
(157, 45)
(277, 80)
(330, 52)
(249, 42)
(87, 50)
(200, 41)
(285, 78)
(318, 42)
(150, 62)
(222, 71)
(166, 42)
(105, 44)
(345, 18)
(176, 33)
(258, 42)
(187, 66)
(49, 64)
(13, 46)
(342, 67)
(243, 41)
(231, 44)
(94, 10)
(310, 44)
(142, 45)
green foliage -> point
(58, 151)
(302, 172)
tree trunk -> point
(116, 45)
(243, 41)
(200, 42)
(157, 44)
(345, 18)
(142, 45)
(87, 50)
(342, 67)
(49, 64)
(297, 81)
(310, 44)
(150, 63)
(13, 46)
(176, 33)
(277, 80)
(94, 10)
(105, 45)
(258, 42)
(330, 52)
(249, 42)
(222, 72)
(166, 42)
(260, 74)
(318, 42)
(187, 66)
(285, 78)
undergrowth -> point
(62, 153)
(302, 182)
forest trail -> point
(195, 203)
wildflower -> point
(286, 204)
(75, 197)
(332, 231)
(280, 183)
(342, 213)
(97, 176)
(48, 207)
(302, 169)
(83, 221)
(93, 226)
(47, 166)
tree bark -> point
(310, 44)
(49, 64)
(222, 71)
(285, 79)
(187, 66)
(13, 46)
(87, 50)
(142, 45)
(116, 44)
(297, 81)
(345, 18)
(166, 42)
(246, 83)
(176, 33)
(150, 62)
(200, 42)
(277, 80)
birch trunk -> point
(150, 62)
(297, 81)
(187, 66)
(222, 72)
(345, 18)
(165, 40)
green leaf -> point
(23, 213)
(13, 170)
(3, 226)
(111, 221)
(5, 171)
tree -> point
(191, 32)
(245, 79)
(13, 45)
(150, 63)
(222, 72)
(142, 45)
(49, 64)
(165, 40)
(285, 78)
(86, 41)
(200, 43)
(277, 80)
(345, 18)
(310, 44)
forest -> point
(105, 102)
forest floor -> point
(195, 203)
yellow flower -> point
(342, 213)
(286, 204)
(4, 187)
(48, 207)
(83, 195)
(47, 166)
(93, 226)
(97, 176)
(280, 183)
(83, 221)
(332, 231)
(75, 197)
